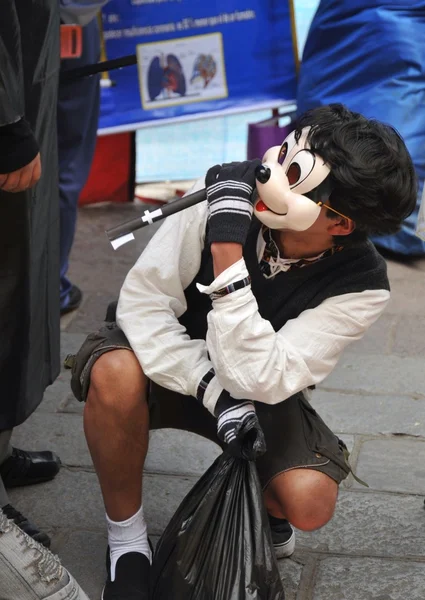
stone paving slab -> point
(56, 395)
(372, 524)
(68, 318)
(62, 435)
(379, 338)
(405, 270)
(409, 336)
(396, 465)
(407, 297)
(162, 496)
(71, 343)
(94, 265)
(349, 440)
(71, 405)
(84, 552)
(179, 453)
(369, 579)
(170, 451)
(109, 262)
(73, 500)
(91, 316)
(370, 414)
(291, 572)
(377, 374)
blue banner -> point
(196, 57)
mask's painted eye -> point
(288, 144)
(294, 173)
(300, 168)
(282, 153)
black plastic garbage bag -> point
(218, 544)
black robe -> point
(29, 221)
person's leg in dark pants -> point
(5, 452)
(78, 114)
(5, 445)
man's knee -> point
(307, 498)
(116, 373)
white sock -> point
(128, 536)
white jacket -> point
(250, 358)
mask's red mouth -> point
(262, 207)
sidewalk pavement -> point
(373, 549)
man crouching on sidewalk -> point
(236, 307)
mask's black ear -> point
(322, 192)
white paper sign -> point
(181, 71)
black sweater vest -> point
(356, 268)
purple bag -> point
(265, 134)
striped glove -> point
(230, 205)
(238, 427)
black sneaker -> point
(75, 298)
(132, 578)
(283, 537)
(25, 525)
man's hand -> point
(230, 206)
(22, 179)
(238, 427)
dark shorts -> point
(296, 436)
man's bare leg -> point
(116, 424)
(305, 497)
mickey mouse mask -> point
(288, 173)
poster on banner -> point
(222, 57)
(182, 70)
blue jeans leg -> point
(78, 115)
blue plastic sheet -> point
(370, 56)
